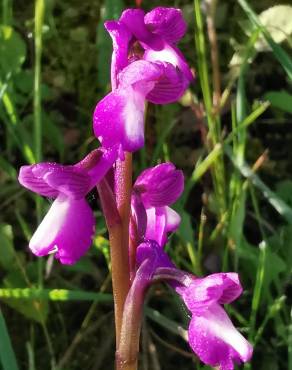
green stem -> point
(260, 271)
(212, 119)
(37, 108)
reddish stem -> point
(117, 212)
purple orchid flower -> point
(152, 37)
(154, 190)
(211, 333)
(145, 65)
(68, 227)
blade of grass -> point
(260, 270)
(203, 166)
(218, 170)
(7, 355)
(274, 308)
(166, 323)
(200, 170)
(54, 294)
(30, 354)
(37, 107)
(38, 19)
(279, 205)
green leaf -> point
(12, 50)
(284, 191)
(34, 310)
(7, 355)
(280, 99)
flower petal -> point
(142, 75)
(155, 225)
(119, 117)
(67, 229)
(172, 220)
(215, 340)
(177, 74)
(50, 179)
(36, 184)
(167, 23)
(133, 19)
(216, 288)
(160, 222)
(138, 219)
(160, 185)
(98, 163)
(119, 120)
(149, 249)
(170, 87)
(68, 180)
(121, 37)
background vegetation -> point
(231, 134)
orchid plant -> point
(146, 66)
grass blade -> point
(280, 206)
(7, 355)
(54, 295)
(166, 323)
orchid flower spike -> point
(153, 192)
(146, 65)
(68, 227)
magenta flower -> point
(151, 37)
(154, 190)
(145, 65)
(68, 227)
(211, 333)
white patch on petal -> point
(167, 54)
(133, 116)
(219, 325)
(172, 219)
(50, 227)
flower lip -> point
(216, 341)
(67, 229)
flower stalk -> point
(116, 211)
